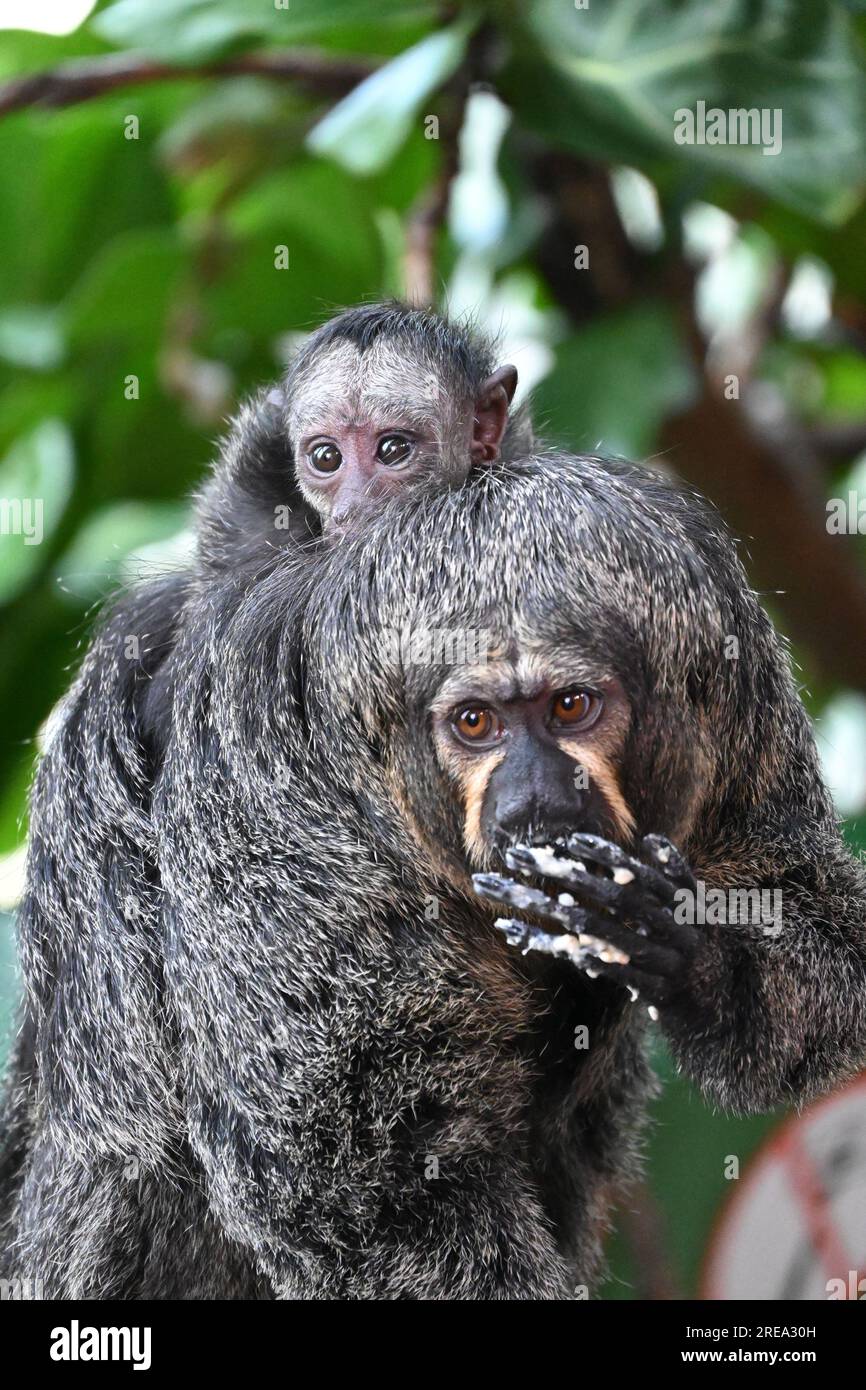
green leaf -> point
(54, 223)
(124, 294)
(196, 31)
(102, 551)
(241, 112)
(326, 221)
(30, 336)
(24, 50)
(186, 31)
(840, 734)
(855, 834)
(841, 247)
(609, 81)
(35, 483)
(30, 399)
(844, 385)
(136, 448)
(368, 127)
(615, 382)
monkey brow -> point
(405, 410)
(491, 682)
(320, 414)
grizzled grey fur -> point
(253, 1063)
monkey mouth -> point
(535, 838)
(545, 837)
(545, 873)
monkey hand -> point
(623, 927)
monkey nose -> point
(350, 508)
(344, 519)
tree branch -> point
(92, 77)
(582, 212)
(430, 209)
(427, 216)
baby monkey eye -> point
(393, 449)
(477, 724)
(575, 707)
(325, 458)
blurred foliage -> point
(140, 294)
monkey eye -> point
(477, 724)
(573, 707)
(325, 458)
(393, 449)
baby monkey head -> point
(383, 397)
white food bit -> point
(623, 876)
(549, 943)
(609, 954)
(566, 900)
(663, 855)
(632, 994)
(653, 1013)
(566, 945)
(547, 862)
(521, 896)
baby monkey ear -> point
(491, 413)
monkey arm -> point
(86, 924)
(90, 1088)
(757, 1013)
(779, 1017)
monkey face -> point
(364, 425)
(604, 696)
(532, 751)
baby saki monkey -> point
(385, 397)
(380, 400)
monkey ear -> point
(491, 413)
